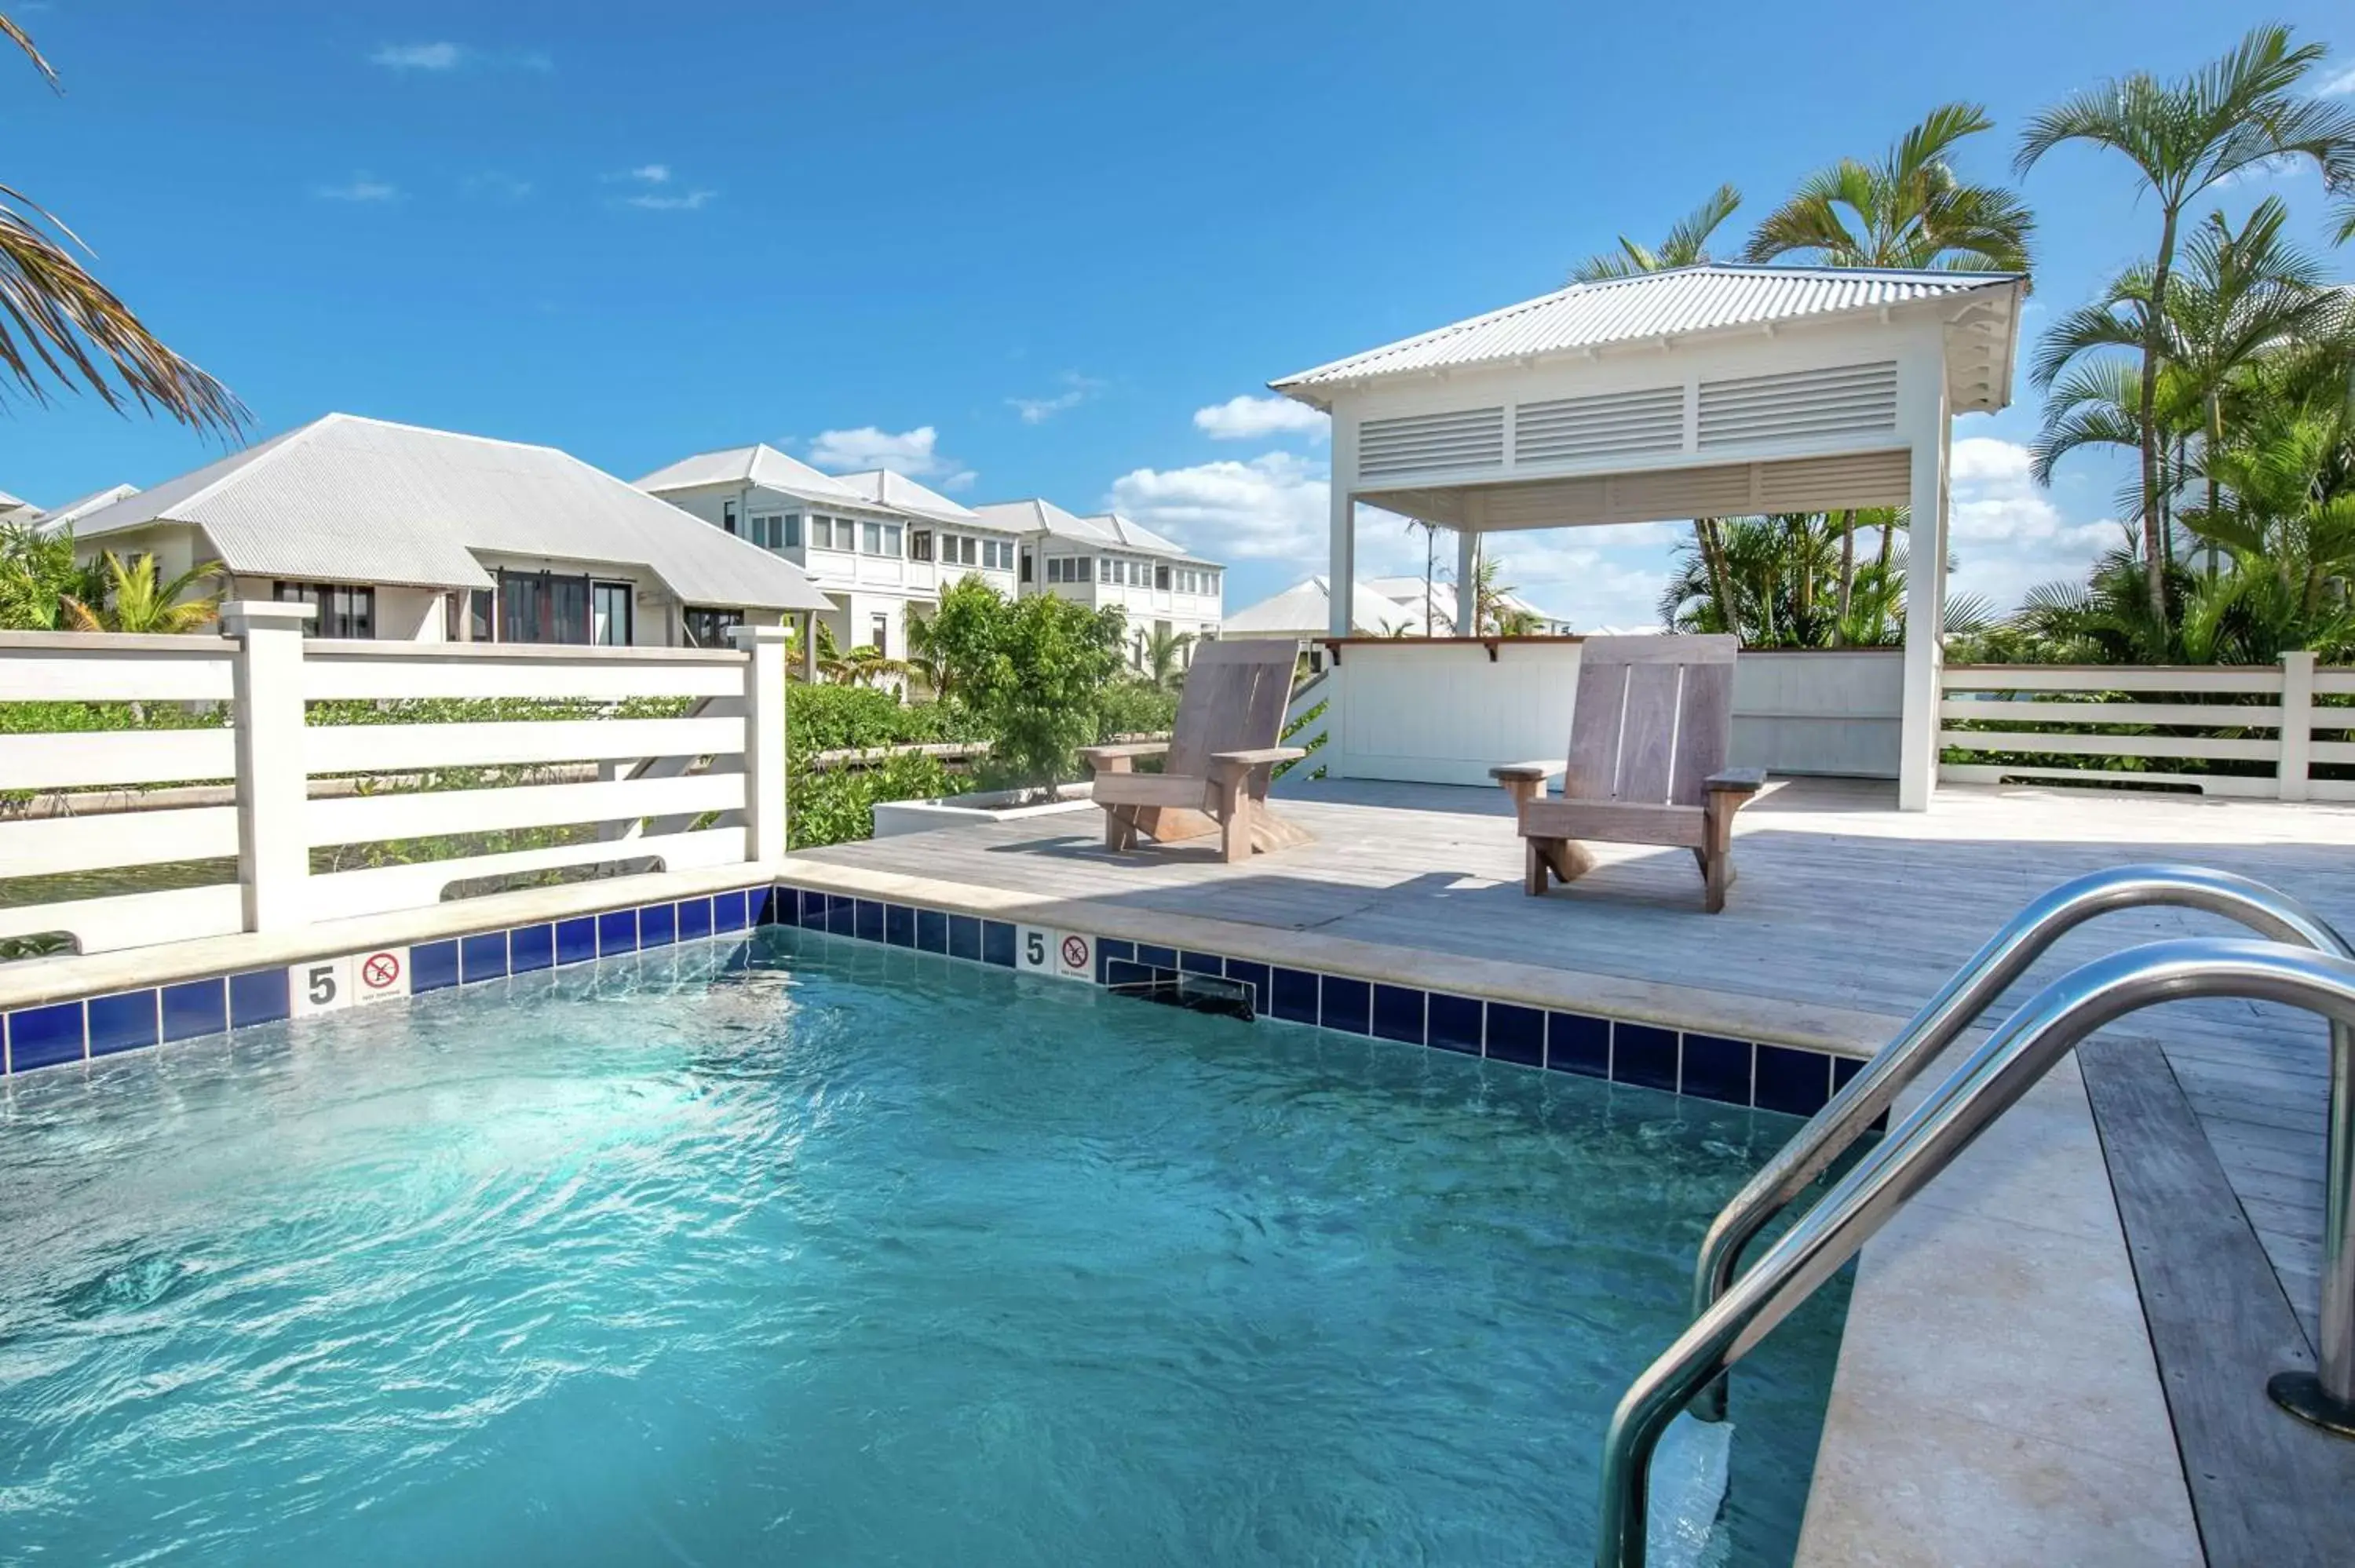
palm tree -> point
(1686, 246)
(2287, 518)
(59, 323)
(132, 599)
(927, 660)
(1165, 653)
(1910, 210)
(37, 574)
(2184, 137)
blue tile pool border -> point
(1702, 1065)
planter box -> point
(894, 818)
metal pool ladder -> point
(1731, 1316)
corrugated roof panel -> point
(1658, 304)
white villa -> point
(1110, 560)
(874, 543)
(397, 532)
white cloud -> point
(685, 201)
(1077, 389)
(1249, 418)
(417, 56)
(2335, 86)
(2006, 533)
(358, 188)
(915, 453)
(645, 173)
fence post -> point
(2297, 723)
(764, 742)
(274, 847)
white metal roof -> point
(759, 464)
(1304, 610)
(883, 487)
(1408, 593)
(81, 506)
(1651, 306)
(356, 499)
(1105, 531)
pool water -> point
(847, 1256)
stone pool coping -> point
(1996, 1400)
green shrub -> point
(837, 805)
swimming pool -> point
(811, 1250)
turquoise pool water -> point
(846, 1255)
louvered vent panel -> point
(1830, 483)
(1609, 425)
(1419, 444)
(1803, 405)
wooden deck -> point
(1842, 901)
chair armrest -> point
(1095, 757)
(1524, 772)
(1742, 780)
(1262, 758)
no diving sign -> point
(330, 985)
(1068, 955)
(383, 976)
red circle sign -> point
(1075, 952)
(378, 970)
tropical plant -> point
(2285, 514)
(925, 661)
(134, 598)
(1687, 244)
(38, 575)
(1165, 655)
(2184, 137)
(1909, 210)
(1033, 672)
(1775, 565)
(58, 324)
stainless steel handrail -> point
(1975, 988)
(1989, 1082)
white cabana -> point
(1715, 390)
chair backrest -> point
(1653, 719)
(1236, 692)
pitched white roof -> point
(81, 506)
(1106, 531)
(15, 504)
(1407, 593)
(882, 487)
(1304, 609)
(1680, 302)
(356, 499)
(760, 464)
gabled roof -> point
(15, 504)
(882, 487)
(354, 499)
(1408, 593)
(760, 464)
(81, 506)
(1684, 302)
(1305, 608)
(1106, 531)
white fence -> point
(1835, 711)
(703, 790)
(2243, 714)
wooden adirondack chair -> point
(1648, 735)
(1219, 755)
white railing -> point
(1313, 697)
(2263, 714)
(702, 789)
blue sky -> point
(1014, 249)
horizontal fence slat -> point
(2335, 682)
(132, 919)
(2214, 715)
(374, 890)
(361, 747)
(47, 846)
(2207, 783)
(2332, 751)
(69, 760)
(2110, 745)
(55, 675)
(331, 678)
(367, 818)
(2245, 678)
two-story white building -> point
(1109, 559)
(875, 544)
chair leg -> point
(1534, 881)
(1717, 858)
(1234, 821)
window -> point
(610, 606)
(919, 544)
(1105, 567)
(346, 610)
(709, 628)
(482, 615)
(1160, 577)
(1026, 566)
(891, 540)
(727, 515)
(881, 626)
(871, 538)
(821, 532)
(540, 607)
(793, 530)
(997, 554)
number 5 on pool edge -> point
(1034, 949)
(320, 985)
